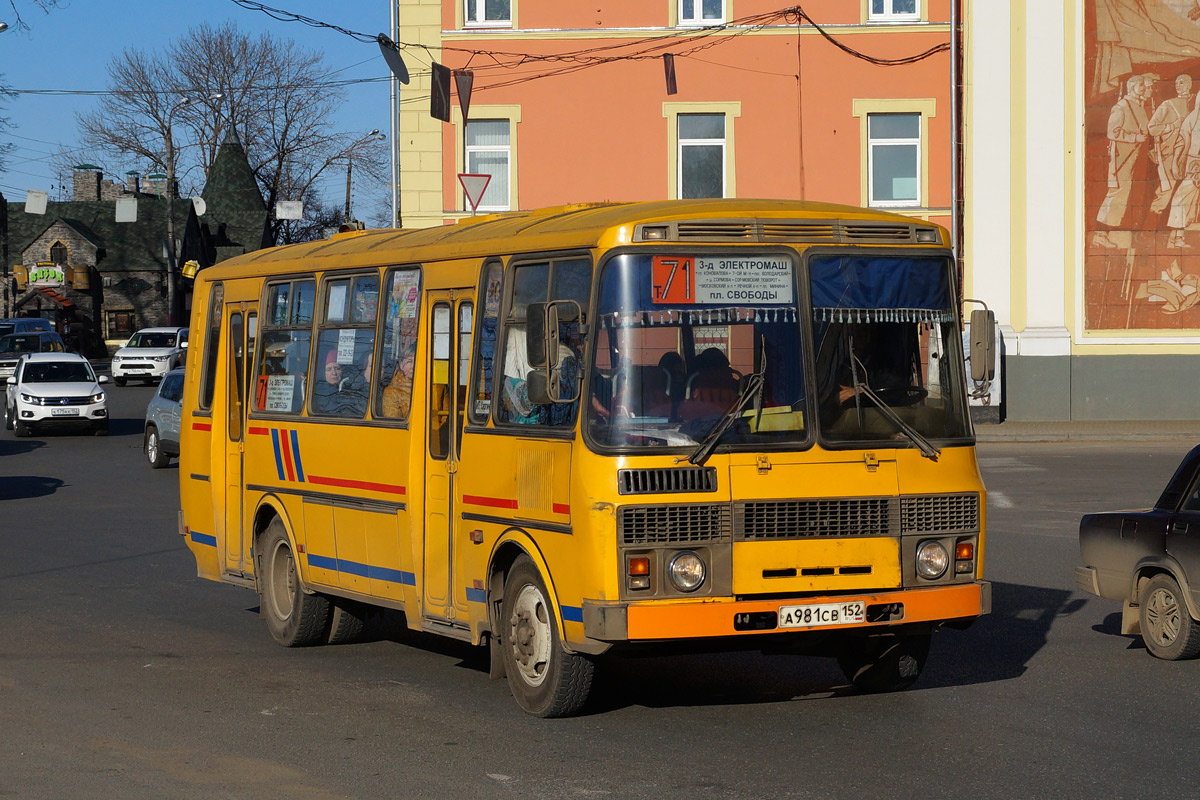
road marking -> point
(1007, 464)
(999, 499)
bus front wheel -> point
(294, 618)
(546, 680)
(886, 663)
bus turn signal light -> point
(964, 551)
(639, 572)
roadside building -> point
(100, 279)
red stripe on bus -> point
(562, 508)
(202, 426)
(346, 483)
(287, 456)
(258, 431)
(491, 502)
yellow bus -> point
(593, 430)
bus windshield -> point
(678, 340)
(684, 341)
(888, 355)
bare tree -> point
(19, 22)
(275, 97)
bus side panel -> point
(196, 486)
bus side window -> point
(212, 341)
(398, 348)
(279, 387)
(346, 347)
(485, 353)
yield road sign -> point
(474, 187)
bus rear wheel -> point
(546, 680)
(885, 663)
(294, 617)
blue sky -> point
(71, 47)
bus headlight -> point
(932, 560)
(686, 571)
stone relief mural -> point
(1142, 165)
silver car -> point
(162, 420)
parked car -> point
(15, 345)
(150, 354)
(24, 325)
(1150, 560)
(55, 390)
(161, 440)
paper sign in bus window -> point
(280, 391)
(721, 280)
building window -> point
(702, 12)
(488, 151)
(120, 324)
(701, 155)
(487, 13)
(893, 10)
(58, 253)
(893, 160)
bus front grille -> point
(856, 516)
(940, 513)
(667, 480)
(793, 519)
(674, 524)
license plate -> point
(137, 369)
(818, 614)
(64, 412)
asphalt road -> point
(122, 675)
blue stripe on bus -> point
(278, 455)
(572, 613)
(476, 595)
(296, 457)
(203, 538)
(363, 570)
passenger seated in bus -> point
(672, 364)
(711, 388)
(397, 395)
(642, 391)
(334, 394)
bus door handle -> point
(452, 466)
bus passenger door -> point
(239, 340)
(450, 320)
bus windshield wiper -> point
(751, 390)
(862, 390)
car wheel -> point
(21, 429)
(546, 680)
(8, 417)
(294, 618)
(886, 663)
(100, 429)
(1168, 629)
(153, 449)
(119, 381)
(347, 620)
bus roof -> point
(583, 225)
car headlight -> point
(686, 571)
(932, 560)
(98, 397)
(159, 358)
(31, 399)
(116, 359)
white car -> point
(150, 354)
(55, 390)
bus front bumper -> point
(663, 621)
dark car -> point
(1150, 560)
(15, 345)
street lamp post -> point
(172, 269)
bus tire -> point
(294, 618)
(347, 620)
(546, 680)
(885, 664)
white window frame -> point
(481, 21)
(723, 142)
(872, 144)
(506, 149)
(890, 15)
(697, 20)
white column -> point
(1046, 226)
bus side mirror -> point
(983, 345)
(541, 335)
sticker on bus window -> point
(721, 280)
(280, 391)
(345, 347)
